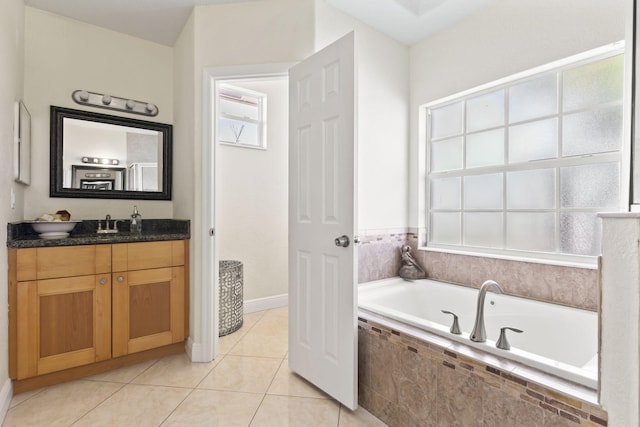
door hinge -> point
(212, 232)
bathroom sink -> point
(110, 231)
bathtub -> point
(558, 340)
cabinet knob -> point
(103, 281)
(120, 278)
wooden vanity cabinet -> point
(83, 307)
(148, 295)
(62, 309)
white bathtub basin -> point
(562, 341)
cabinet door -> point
(148, 309)
(63, 323)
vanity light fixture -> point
(114, 103)
(100, 161)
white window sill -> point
(590, 263)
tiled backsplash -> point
(379, 258)
(379, 254)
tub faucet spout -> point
(479, 333)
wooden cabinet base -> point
(20, 386)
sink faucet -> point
(106, 229)
(479, 333)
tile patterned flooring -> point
(249, 384)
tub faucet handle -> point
(502, 343)
(455, 327)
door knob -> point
(120, 278)
(342, 241)
(103, 281)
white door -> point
(322, 276)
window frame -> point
(623, 157)
(261, 122)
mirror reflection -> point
(103, 156)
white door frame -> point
(209, 290)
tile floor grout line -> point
(177, 406)
(339, 413)
(28, 398)
(274, 376)
(100, 403)
(240, 337)
(145, 370)
(180, 387)
(264, 395)
(131, 383)
(222, 357)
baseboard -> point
(195, 352)
(266, 303)
(5, 398)
(188, 348)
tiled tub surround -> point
(557, 340)
(379, 253)
(21, 235)
(414, 378)
(379, 258)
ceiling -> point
(410, 21)
(161, 21)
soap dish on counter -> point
(53, 235)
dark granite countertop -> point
(21, 235)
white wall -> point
(272, 31)
(382, 118)
(252, 199)
(507, 38)
(62, 55)
(184, 196)
(11, 89)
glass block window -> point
(241, 117)
(525, 166)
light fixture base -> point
(111, 102)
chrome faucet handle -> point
(502, 343)
(455, 327)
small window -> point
(241, 117)
(523, 167)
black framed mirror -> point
(109, 157)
